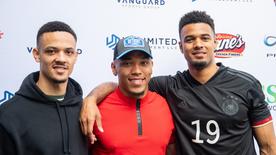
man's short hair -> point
(196, 17)
(54, 26)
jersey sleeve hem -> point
(262, 122)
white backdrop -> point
(98, 24)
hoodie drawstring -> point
(66, 148)
(68, 135)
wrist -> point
(90, 99)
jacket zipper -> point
(138, 117)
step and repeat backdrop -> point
(246, 30)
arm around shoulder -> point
(101, 91)
(90, 112)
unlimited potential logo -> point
(7, 95)
(147, 4)
(155, 43)
(1, 34)
(112, 41)
(229, 45)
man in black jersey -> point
(217, 110)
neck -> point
(202, 76)
(51, 88)
(134, 95)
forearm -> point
(266, 139)
(101, 91)
(90, 113)
(268, 149)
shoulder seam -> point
(243, 75)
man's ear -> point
(36, 54)
(180, 46)
(113, 67)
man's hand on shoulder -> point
(88, 115)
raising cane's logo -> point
(229, 45)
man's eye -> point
(144, 63)
(125, 63)
(205, 38)
(188, 40)
(50, 51)
(70, 52)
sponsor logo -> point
(165, 43)
(229, 45)
(30, 49)
(134, 42)
(270, 96)
(270, 42)
(154, 42)
(146, 4)
(1, 34)
(7, 95)
(112, 41)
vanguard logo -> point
(1, 34)
(7, 95)
(155, 43)
(270, 40)
(145, 2)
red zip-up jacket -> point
(134, 127)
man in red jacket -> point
(148, 126)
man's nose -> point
(61, 56)
(198, 43)
(136, 69)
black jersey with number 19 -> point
(215, 118)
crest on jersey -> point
(230, 105)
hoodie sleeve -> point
(6, 143)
